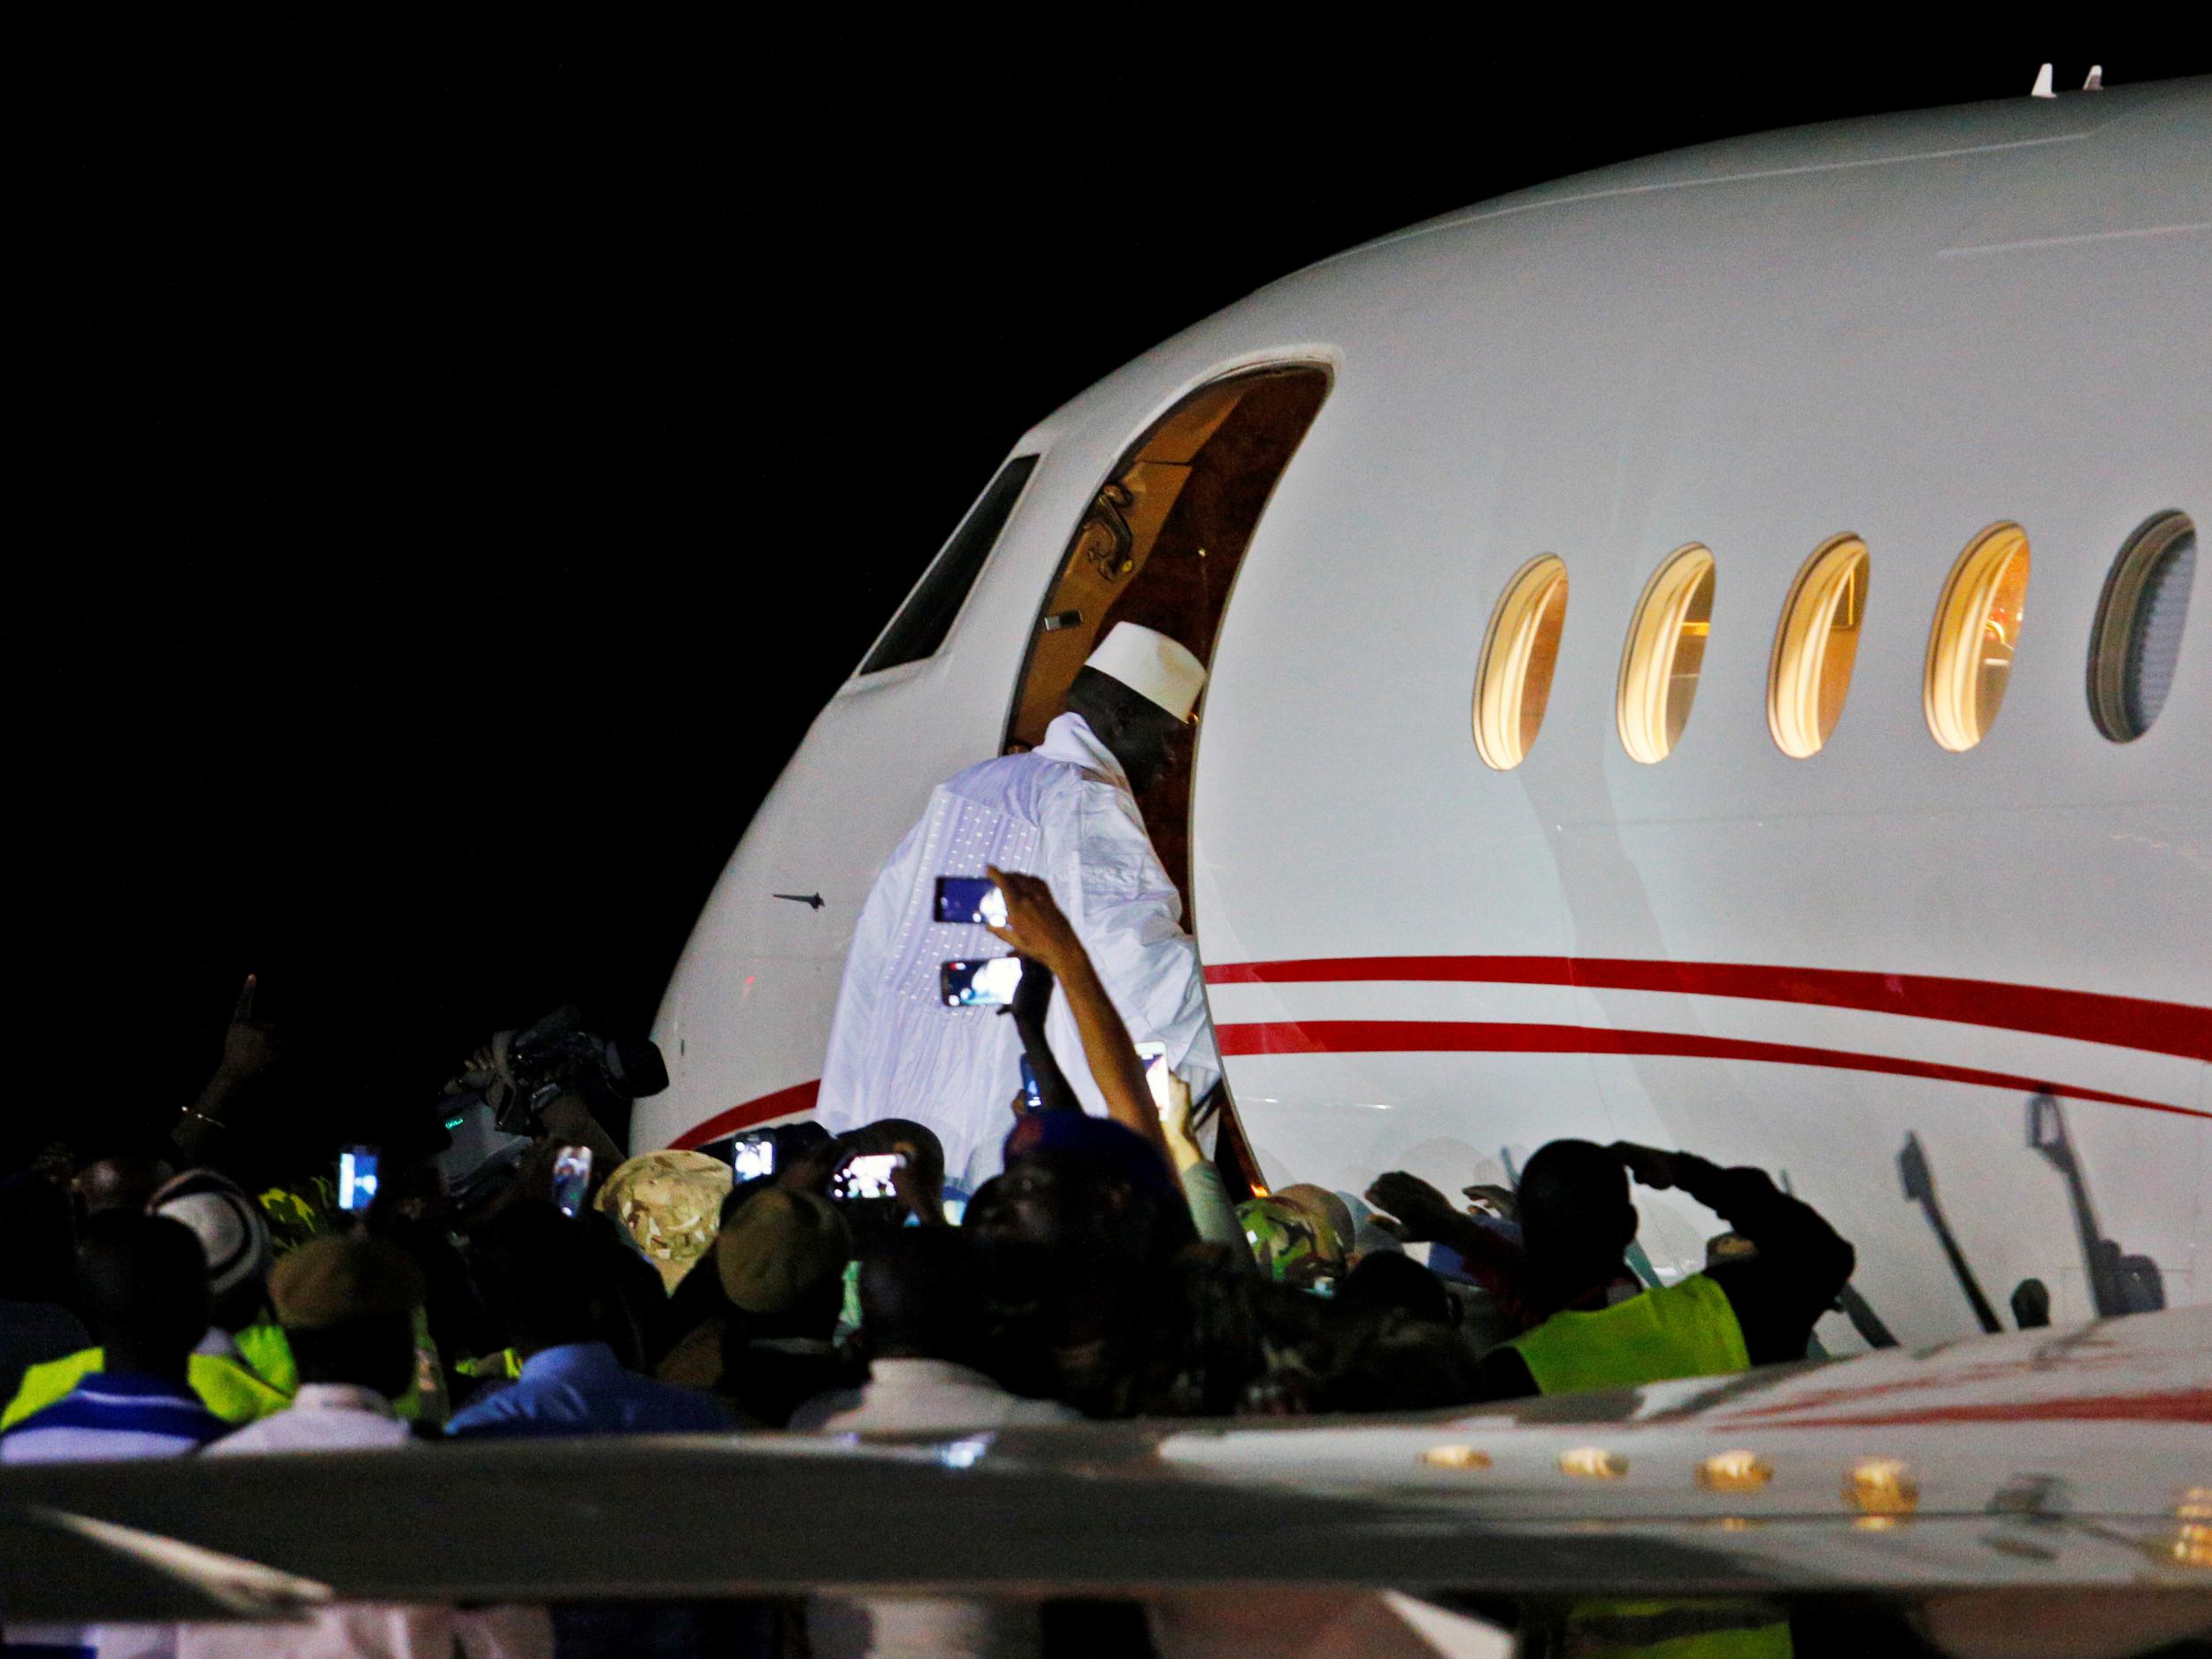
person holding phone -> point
(1065, 811)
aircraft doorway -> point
(1160, 545)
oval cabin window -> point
(1513, 682)
(2137, 642)
(1977, 631)
(1815, 646)
(1664, 653)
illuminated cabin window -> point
(2137, 643)
(1513, 682)
(1665, 651)
(1815, 646)
(1977, 631)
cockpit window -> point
(926, 616)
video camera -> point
(493, 1109)
(521, 1072)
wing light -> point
(1882, 1489)
(1593, 1462)
(1734, 1472)
(1456, 1457)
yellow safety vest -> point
(268, 1352)
(230, 1390)
(1684, 1330)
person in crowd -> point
(670, 1205)
(142, 1281)
(240, 1367)
(348, 1306)
(1578, 1221)
(231, 1229)
(924, 1325)
(1330, 1218)
(782, 1264)
(924, 1322)
(548, 1282)
(1392, 1282)
(1069, 810)
(37, 1261)
(121, 1173)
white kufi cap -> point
(226, 1222)
(1152, 665)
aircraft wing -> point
(2047, 1462)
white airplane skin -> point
(1857, 968)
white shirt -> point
(340, 1416)
(1064, 811)
(927, 1395)
(322, 1418)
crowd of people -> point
(1107, 1271)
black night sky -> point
(459, 472)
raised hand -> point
(1034, 924)
(1649, 1165)
(249, 1045)
(1421, 1211)
(1501, 1201)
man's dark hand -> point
(1501, 1201)
(1649, 1165)
(813, 1170)
(1036, 925)
(249, 1045)
(1421, 1211)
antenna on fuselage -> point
(2043, 88)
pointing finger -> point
(243, 1011)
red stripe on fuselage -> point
(1446, 1036)
(2173, 1405)
(2127, 1022)
(798, 1098)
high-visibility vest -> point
(1684, 1330)
(268, 1351)
(228, 1389)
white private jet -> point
(1699, 658)
(1708, 666)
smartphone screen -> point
(1156, 1072)
(752, 1157)
(357, 1179)
(868, 1177)
(970, 901)
(571, 1175)
(987, 984)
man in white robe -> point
(1067, 811)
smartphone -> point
(1033, 1100)
(987, 984)
(970, 901)
(1155, 1073)
(752, 1157)
(357, 1179)
(868, 1177)
(571, 1174)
